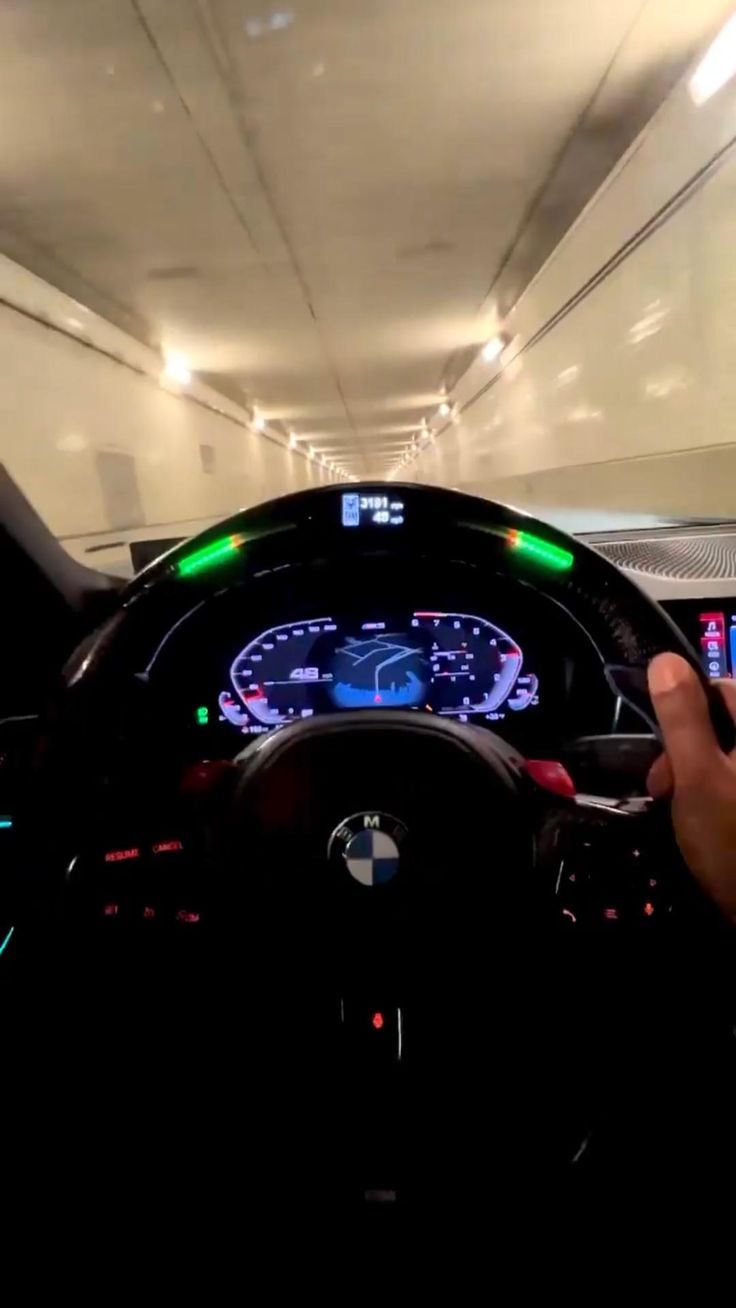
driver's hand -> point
(699, 777)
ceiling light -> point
(293, 441)
(492, 349)
(176, 368)
(311, 451)
(445, 409)
(259, 423)
(717, 65)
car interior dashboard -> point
(427, 635)
(316, 774)
(332, 605)
(427, 639)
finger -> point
(727, 690)
(682, 711)
(660, 781)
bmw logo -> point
(369, 846)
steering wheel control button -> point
(606, 881)
(188, 916)
(369, 846)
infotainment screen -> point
(718, 642)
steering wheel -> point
(401, 916)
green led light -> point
(202, 715)
(209, 556)
(4, 943)
(550, 556)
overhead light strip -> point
(717, 66)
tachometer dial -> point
(474, 664)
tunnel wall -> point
(101, 447)
(618, 387)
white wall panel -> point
(81, 404)
(628, 401)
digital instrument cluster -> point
(453, 664)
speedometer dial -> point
(278, 673)
(454, 664)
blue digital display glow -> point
(454, 664)
(371, 511)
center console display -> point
(718, 642)
(710, 627)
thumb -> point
(682, 712)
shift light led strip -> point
(542, 551)
(523, 542)
(209, 556)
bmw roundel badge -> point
(369, 846)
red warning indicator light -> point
(377, 1021)
(648, 908)
(110, 910)
(167, 846)
(149, 912)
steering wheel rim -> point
(626, 625)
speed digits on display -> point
(372, 511)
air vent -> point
(682, 558)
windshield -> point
(249, 248)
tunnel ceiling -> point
(326, 205)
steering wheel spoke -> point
(613, 865)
